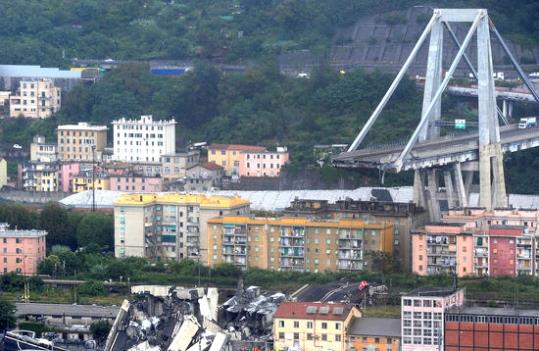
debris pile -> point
(166, 318)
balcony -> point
(349, 265)
(292, 242)
(295, 252)
(350, 255)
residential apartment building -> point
(403, 216)
(170, 225)
(296, 244)
(143, 140)
(263, 163)
(86, 181)
(229, 156)
(443, 249)
(135, 183)
(312, 325)
(422, 314)
(204, 177)
(3, 173)
(39, 176)
(21, 251)
(382, 334)
(174, 166)
(76, 142)
(492, 329)
(66, 173)
(40, 151)
(35, 99)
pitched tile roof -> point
(236, 147)
(313, 310)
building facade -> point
(403, 216)
(40, 151)
(492, 329)
(66, 173)
(3, 173)
(204, 177)
(35, 99)
(174, 166)
(21, 251)
(296, 244)
(76, 142)
(143, 140)
(135, 183)
(263, 163)
(382, 334)
(422, 314)
(86, 181)
(229, 156)
(312, 326)
(169, 226)
(39, 176)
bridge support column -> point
(462, 194)
(507, 109)
(491, 177)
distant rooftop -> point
(145, 119)
(33, 71)
(493, 311)
(313, 310)
(386, 327)
(81, 126)
(5, 232)
(425, 292)
(237, 147)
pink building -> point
(263, 163)
(137, 183)
(21, 250)
(66, 174)
(443, 248)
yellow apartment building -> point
(228, 156)
(312, 325)
(83, 182)
(169, 225)
(75, 142)
(35, 99)
(296, 244)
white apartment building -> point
(40, 151)
(35, 99)
(143, 140)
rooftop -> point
(179, 198)
(145, 119)
(299, 221)
(494, 311)
(313, 310)
(81, 126)
(5, 232)
(236, 147)
(426, 292)
(386, 327)
(36, 71)
(211, 166)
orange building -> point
(297, 244)
(443, 248)
(382, 334)
(21, 251)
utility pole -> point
(93, 178)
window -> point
(309, 325)
(296, 324)
(337, 338)
(309, 336)
(324, 337)
(337, 326)
(324, 325)
(389, 340)
(296, 336)
(281, 335)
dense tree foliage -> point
(46, 32)
(7, 315)
(67, 229)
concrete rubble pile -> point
(167, 318)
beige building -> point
(169, 226)
(296, 244)
(75, 142)
(174, 166)
(229, 156)
(3, 173)
(40, 151)
(35, 99)
(40, 176)
(312, 326)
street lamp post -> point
(93, 178)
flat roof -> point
(386, 327)
(300, 222)
(19, 233)
(179, 198)
(494, 311)
(81, 126)
(145, 119)
(426, 292)
(48, 309)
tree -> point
(96, 228)
(100, 330)
(92, 288)
(54, 219)
(7, 315)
